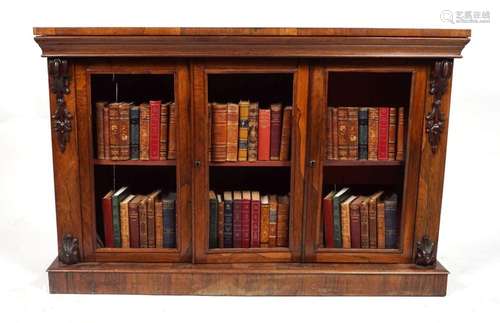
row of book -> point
(357, 221)
(243, 132)
(126, 131)
(245, 219)
(366, 133)
(139, 221)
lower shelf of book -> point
(272, 279)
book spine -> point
(282, 226)
(346, 225)
(154, 130)
(352, 131)
(273, 222)
(337, 224)
(158, 223)
(219, 143)
(163, 131)
(275, 132)
(172, 129)
(210, 130)
(243, 131)
(228, 224)
(264, 134)
(117, 241)
(237, 237)
(253, 120)
(144, 132)
(133, 214)
(255, 224)
(151, 223)
(365, 225)
(328, 222)
(383, 133)
(213, 224)
(232, 131)
(343, 133)
(335, 134)
(106, 132)
(169, 223)
(400, 151)
(124, 225)
(107, 213)
(329, 133)
(245, 223)
(372, 133)
(285, 134)
(143, 224)
(355, 216)
(124, 131)
(391, 224)
(363, 133)
(100, 129)
(380, 225)
(372, 223)
(220, 224)
(114, 131)
(393, 119)
(134, 133)
(264, 225)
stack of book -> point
(139, 221)
(367, 133)
(126, 131)
(245, 219)
(243, 132)
(357, 221)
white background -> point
(470, 226)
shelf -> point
(259, 163)
(248, 250)
(106, 162)
(363, 162)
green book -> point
(119, 196)
(212, 237)
(338, 198)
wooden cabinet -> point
(307, 69)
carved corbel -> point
(59, 85)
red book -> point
(237, 219)
(133, 220)
(154, 130)
(255, 220)
(264, 135)
(245, 219)
(275, 131)
(107, 214)
(383, 133)
(328, 219)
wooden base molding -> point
(248, 279)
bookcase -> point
(249, 161)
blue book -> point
(363, 133)
(117, 197)
(338, 198)
(134, 133)
(212, 242)
(391, 222)
(228, 219)
(169, 221)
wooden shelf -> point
(259, 163)
(107, 162)
(363, 163)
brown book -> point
(400, 150)
(164, 131)
(143, 223)
(159, 223)
(114, 131)
(393, 119)
(372, 218)
(273, 220)
(172, 126)
(210, 131)
(253, 121)
(355, 215)
(144, 131)
(124, 221)
(99, 109)
(335, 134)
(329, 133)
(243, 131)
(343, 132)
(106, 132)
(133, 219)
(372, 133)
(264, 221)
(232, 131)
(151, 218)
(352, 131)
(283, 215)
(380, 225)
(365, 223)
(124, 131)
(275, 131)
(285, 134)
(346, 221)
(219, 143)
(220, 221)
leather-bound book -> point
(99, 109)
(286, 134)
(107, 217)
(365, 223)
(237, 237)
(383, 133)
(246, 198)
(253, 121)
(114, 131)
(393, 119)
(143, 222)
(133, 219)
(346, 221)
(355, 214)
(116, 199)
(243, 131)
(134, 132)
(124, 221)
(327, 210)
(212, 235)
(144, 131)
(372, 133)
(343, 132)
(210, 130)
(400, 150)
(273, 220)
(151, 218)
(159, 223)
(338, 198)
(164, 131)
(380, 224)
(335, 134)
(352, 131)
(169, 220)
(275, 144)
(363, 133)
(233, 116)
(283, 215)
(372, 218)
(228, 219)
(219, 143)
(124, 130)
(391, 222)
(255, 220)
(329, 133)
(172, 129)
(154, 129)
(264, 134)
(264, 221)
(106, 132)
(220, 221)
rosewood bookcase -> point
(308, 69)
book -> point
(164, 131)
(329, 133)
(124, 124)
(380, 224)
(372, 218)
(391, 222)
(143, 222)
(346, 221)
(116, 199)
(144, 131)
(352, 132)
(99, 109)
(220, 221)
(159, 222)
(264, 134)
(363, 133)
(107, 217)
(134, 132)
(372, 133)
(393, 123)
(246, 198)
(365, 223)
(264, 221)
(255, 220)
(133, 219)
(355, 215)
(338, 198)
(253, 128)
(237, 237)
(286, 134)
(400, 150)
(243, 131)
(335, 134)
(106, 132)
(169, 220)
(228, 219)
(282, 226)
(273, 220)
(232, 131)
(172, 130)
(383, 133)
(151, 221)
(212, 237)
(343, 132)
(154, 129)
(210, 129)
(124, 221)
(327, 210)
(275, 131)
(114, 131)
(219, 142)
